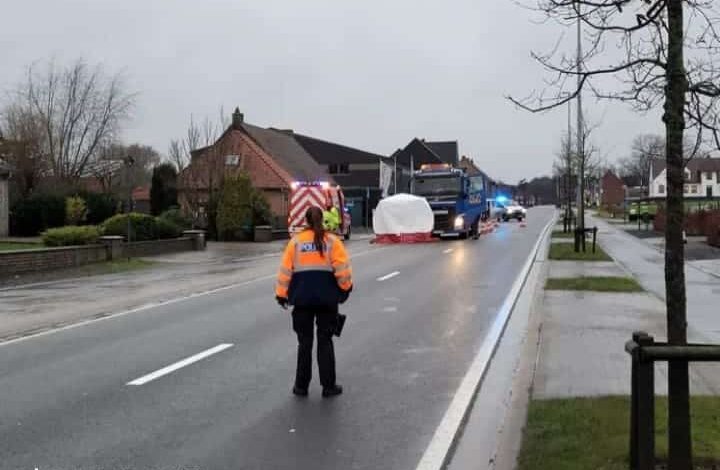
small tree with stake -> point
(670, 56)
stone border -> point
(110, 248)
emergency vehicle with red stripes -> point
(304, 195)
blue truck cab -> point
(459, 201)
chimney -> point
(237, 119)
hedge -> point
(33, 215)
(71, 235)
(142, 227)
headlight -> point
(459, 222)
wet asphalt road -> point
(65, 402)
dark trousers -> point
(303, 319)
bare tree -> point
(645, 148)
(564, 168)
(670, 51)
(201, 155)
(21, 147)
(79, 108)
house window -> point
(344, 168)
(708, 176)
(232, 160)
(661, 189)
(693, 189)
(333, 169)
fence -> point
(645, 353)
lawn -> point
(592, 433)
(12, 246)
(595, 283)
(561, 234)
(566, 252)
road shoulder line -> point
(438, 452)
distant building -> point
(702, 179)
(416, 153)
(141, 199)
(612, 191)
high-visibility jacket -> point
(331, 219)
(308, 278)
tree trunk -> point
(679, 442)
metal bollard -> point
(642, 406)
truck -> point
(305, 194)
(459, 201)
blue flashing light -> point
(501, 199)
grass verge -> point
(594, 283)
(566, 252)
(114, 267)
(13, 246)
(593, 433)
(561, 234)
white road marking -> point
(449, 250)
(390, 309)
(437, 453)
(388, 276)
(179, 365)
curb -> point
(440, 449)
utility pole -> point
(580, 134)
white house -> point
(702, 178)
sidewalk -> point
(647, 264)
(576, 338)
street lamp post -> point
(129, 162)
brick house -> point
(272, 158)
(417, 152)
(612, 191)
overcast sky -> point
(370, 74)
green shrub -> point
(234, 213)
(142, 226)
(166, 229)
(163, 192)
(176, 216)
(39, 212)
(100, 207)
(71, 235)
(75, 210)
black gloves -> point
(282, 301)
(344, 294)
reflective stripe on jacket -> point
(308, 278)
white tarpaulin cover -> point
(402, 214)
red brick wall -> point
(25, 261)
(613, 192)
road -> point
(67, 401)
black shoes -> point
(332, 391)
(326, 393)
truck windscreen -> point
(436, 186)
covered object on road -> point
(403, 218)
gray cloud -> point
(371, 74)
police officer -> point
(315, 276)
(331, 218)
